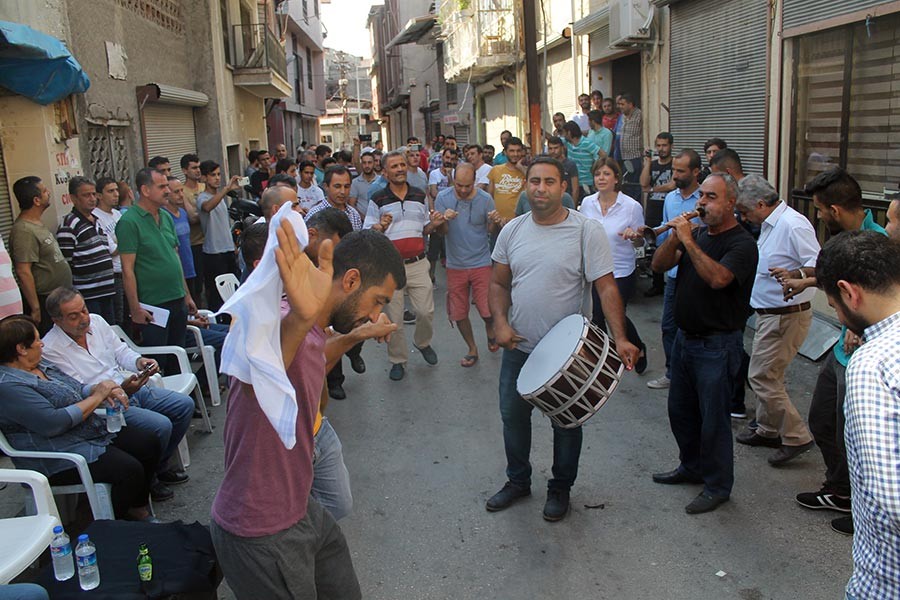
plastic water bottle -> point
(61, 552)
(113, 419)
(88, 571)
(120, 412)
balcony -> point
(479, 38)
(259, 61)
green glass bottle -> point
(144, 564)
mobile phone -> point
(414, 147)
(365, 137)
(146, 370)
(244, 181)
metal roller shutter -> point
(169, 132)
(717, 87)
(494, 118)
(461, 133)
(600, 44)
(560, 80)
(803, 12)
(6, 211)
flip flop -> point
(493, 346)
(469, 360)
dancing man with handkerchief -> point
(272, 539)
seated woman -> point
(43, 409)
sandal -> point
(469, 360)
(493, 346)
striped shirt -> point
(410, 216)
(86, 248)
(630, 137)
(583, 155)
(10, 298)
(352, 214)
(872, 433)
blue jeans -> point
(165, 413)
(23, 591)
(331, 479)
(703, 375)
(516, 414)
(105, 307)
(669, 328)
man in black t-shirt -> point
(657, 181)
(716, 270)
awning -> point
(592, 22)
(169, 94)
(38, 66)
(413, 31)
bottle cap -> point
(58, 529)
(83, 537)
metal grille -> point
(168, 14)
(803, 12)
(718, 87)
(107, 152)
(169, 132)
(461, 133)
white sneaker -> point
(661, 383)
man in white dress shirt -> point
(787, 242)
(86, 348)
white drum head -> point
(551, 354)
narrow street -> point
(425, 453)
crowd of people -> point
(526, 236)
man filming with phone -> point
(85, 347)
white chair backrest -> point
(227, 284)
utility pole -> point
(532, 83)
(345, 109)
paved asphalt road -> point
(424, 454)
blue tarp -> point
(38, 66)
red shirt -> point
(609, 121)
(266, 486)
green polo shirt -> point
(157, 267)
(868, 224)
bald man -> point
(466, 211)
(280, 152)
(273, 198)
(893, 217)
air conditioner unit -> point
(629, 22)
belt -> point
(784, 310)
(705, 336)
(409, 261)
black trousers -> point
(213, 266)
(129, 464)
(336, 374)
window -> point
(226, 38)
(309, 69)
(847, 93)
(316, 7)
(305, 12)
(298, 78)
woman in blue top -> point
(43, 409)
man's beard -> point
(343, 319)
(854, 322)
(682, 184)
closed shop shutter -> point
(562, 94)
(804, 12)
(169, 132)
(600, 44)
(718, 76)
(461, 133)
(6, 211)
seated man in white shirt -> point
(86, 348)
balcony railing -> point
(479, 37)
(256, 47)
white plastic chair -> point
(184, 382)
(227, 284)
(98, 494)
(208, 358)
(26, 538)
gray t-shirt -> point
(467, 239)
(552, 269)
(417, 180)
(216, 226)
(359, 189)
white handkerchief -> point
(252, 350)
